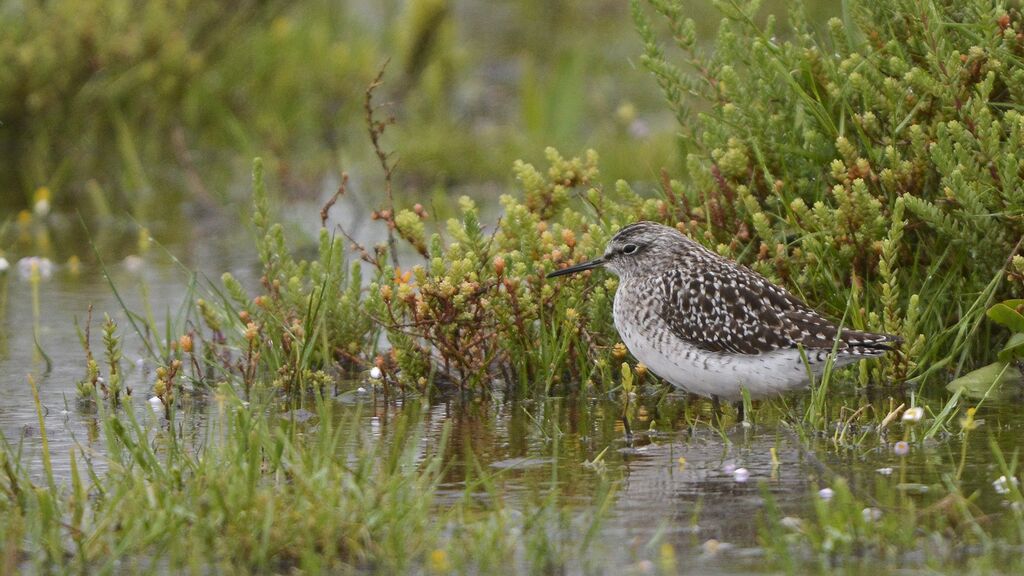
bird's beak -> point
(595, 263)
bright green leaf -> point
(986, 381)
(1014, 349)
(1005, 313)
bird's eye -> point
(629, 249)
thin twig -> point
(376, 129)
(325, 211)
(364, 254)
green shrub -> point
(830, 170)
(879, 163)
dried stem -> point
(327, 206)
(376, 129)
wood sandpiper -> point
(713, 327)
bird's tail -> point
(869, 343)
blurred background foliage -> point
(145, 103)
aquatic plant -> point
(998, 377)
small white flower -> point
(741, 475)
(913, 415)
(901, 448)
(361, 390)
(4, 265)
(639, 129)
(156, 404)
(375, 373)
(1002, 484)
(41, 207)
(887, 471)
(826, 494)
(872, 514)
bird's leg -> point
(716, 407)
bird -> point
(713, 327)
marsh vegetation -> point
(371, 373)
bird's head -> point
(637, 250)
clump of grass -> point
(475, 309)
(261, 493)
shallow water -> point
(692, 487)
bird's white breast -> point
(703, 372)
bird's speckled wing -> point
(729, 309)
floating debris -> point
(741, 475)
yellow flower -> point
(967, 422)
(402, 278)
(439, 561)
(619, 351)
